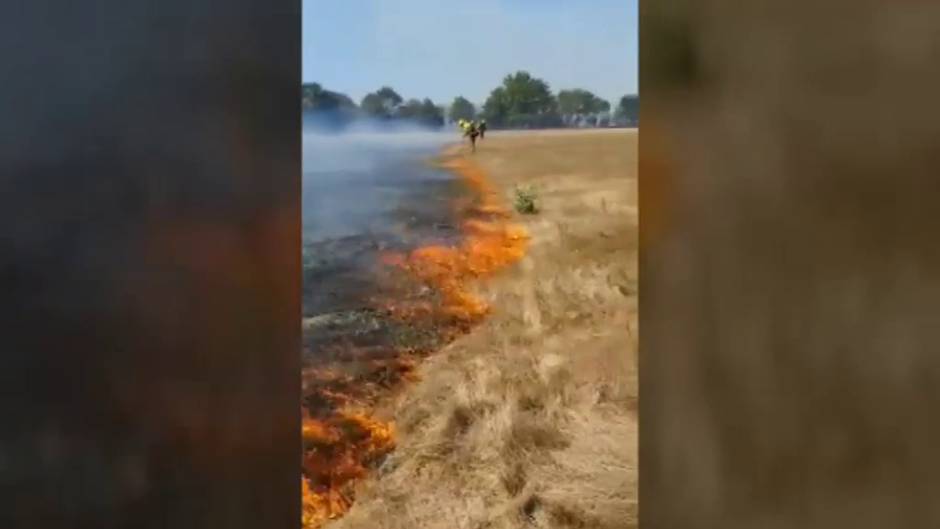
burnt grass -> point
(354, 347)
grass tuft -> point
(526, 201)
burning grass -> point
(342, 440)
(530, 420)
(490, 244)
(337, 452)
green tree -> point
(410, 109)
(310, 94)
(496, 107)
(324, 108)
(424, 113)
(581, 106)
(462, 108)
(315, 98)
(628, 110)
(431, 114)
(522, 101)
(382, 103)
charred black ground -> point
(348, 330)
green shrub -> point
(526, 200)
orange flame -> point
(340, 448)
(490, 244)
(337, 452)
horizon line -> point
(552, 90)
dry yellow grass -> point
(530, 420)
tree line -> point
(334, 110)
(520, 102)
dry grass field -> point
(530, 420)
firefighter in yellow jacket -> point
(469, 130)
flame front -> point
(337, 452)
(490, 244)
(343, 441)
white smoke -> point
(353, 179)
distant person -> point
(472, 132)
(482, 128)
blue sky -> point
(441, 49)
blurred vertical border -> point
(790, 271)
(149, 263)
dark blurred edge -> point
(149, 263)
(790, 266)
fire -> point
(337, 452)
(490, 244)
(341, 442)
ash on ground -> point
(353, 344)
